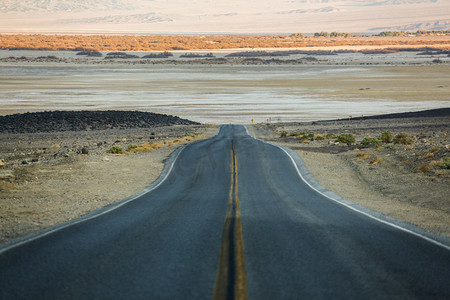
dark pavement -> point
(167, 243)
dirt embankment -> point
(407, 178)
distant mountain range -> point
(216, 16)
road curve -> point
(231, 220)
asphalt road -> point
(231, 219)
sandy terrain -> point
(402, 181)
(46, 180)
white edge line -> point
(349, 206)
(83, 219)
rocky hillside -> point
(52, 121)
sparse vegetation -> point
(320, 137)
(346, 138)
(428, 155)
(307, 136)
(115, 150)
(423, 168)
(362, 156)
(375, 161)
(374, 142)
(445, 164)
(386, 136)
(404, 139)
(158, 55)
(196, 55)
(131, 147)
(120, 55)
(91, 53)
(147, 147)
(168, 43)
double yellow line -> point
(231, 282)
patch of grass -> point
(131, 147)
(362, 156)
(428, 155)
(404, 139)
(297, 133)
(386, 136)
(320, 138)
(445, 164)
(308, 136)
(435, 163)
(424, 168)
(389, 147)
(115, 150)
(346, 138)
(148, 147)
(375, 161)
(435, 149)
(374, 142)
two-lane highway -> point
(232, 219)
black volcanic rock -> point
(53, 121)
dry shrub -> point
(435, 163)
(55, 147)
(441, 172)
(6, 186)
(147, 147)
(428, 155)
(435, 149)
(362, 156)
(405, 162)
(424, 168)
(404, 139)
(375, 161)
(409, 148)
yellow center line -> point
(231, 281)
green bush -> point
(297, 133)
(403, 138)
(446, 164)
(345, 138)
(308, 136)
(284, 134)
(375, 142)
(131, 147)
(386, 136)
(115, 150)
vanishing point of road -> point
(230, 218)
